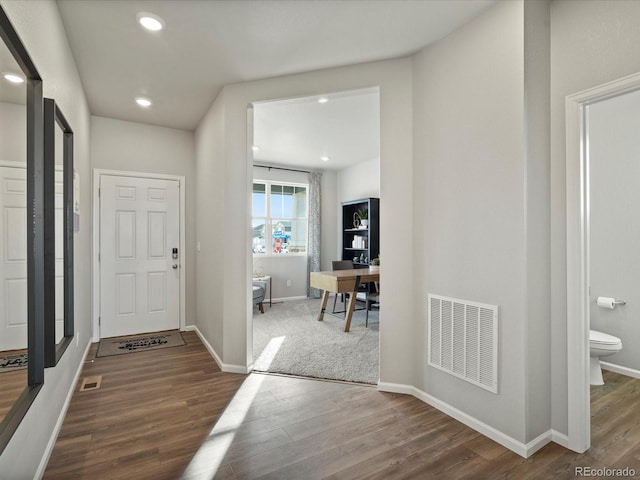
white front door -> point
(13, 248)
(139, 278)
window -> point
(279, 218)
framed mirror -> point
(21, 232)
(58, 232)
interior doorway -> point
(335, 136)
(580, 296)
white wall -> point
(537, 184)
(210, 205)
(592, 42)
(13, 132)
(361, 180)
(469, 182)
(476, 182)
(136, 147)
(329, 249)
(394, 78)
(40, 28)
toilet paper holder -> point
(609, 302)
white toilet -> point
(601, 345)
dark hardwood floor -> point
(147, 419)
(158, 415)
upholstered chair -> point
(259, 292)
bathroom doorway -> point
(613, 154)
(602, 161)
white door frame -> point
(578, 323)
(95, 303)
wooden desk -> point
(342, 281)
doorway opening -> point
(589, 280)
(310, 154)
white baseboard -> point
(560, 438)
(288, 299)
(629, 372)
(223, 366)
(536, 444)
(63, 413)
(522, 449)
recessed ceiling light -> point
(323, 100)
(13, 78)
(150, 21)
(143, 102)
(324, 159)
(255, 148)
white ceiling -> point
(10, 92)
(301, 131)
(208, 44)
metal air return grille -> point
(463, 340)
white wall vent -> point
(463, 340)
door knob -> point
(175, 265)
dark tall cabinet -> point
(361, 244)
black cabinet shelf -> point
(361, 245)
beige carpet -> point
(289, 339)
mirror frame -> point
(35, 232)
(53, 117)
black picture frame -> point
(35, 232)
(53, 119)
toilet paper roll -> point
(606, 302)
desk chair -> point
(372, 297)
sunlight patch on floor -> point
(210, 455)
(268, 354)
